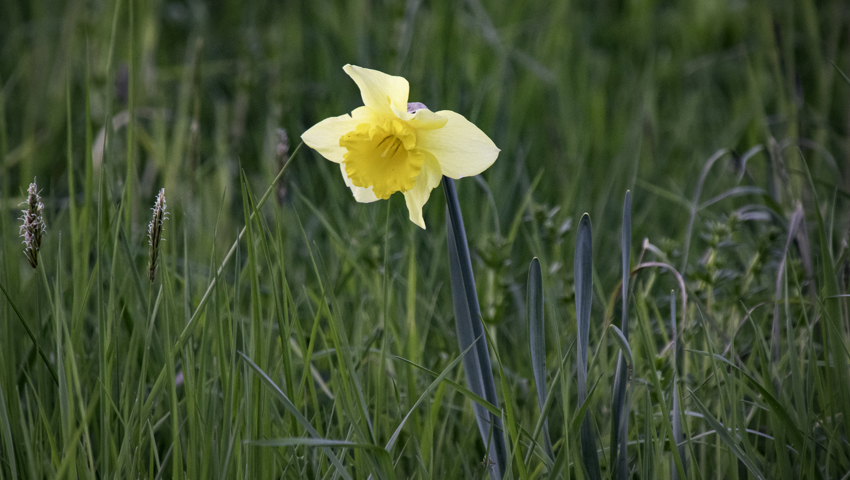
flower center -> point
(393, 143)
(382, 156)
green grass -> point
(293, 333)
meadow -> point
(695, 323)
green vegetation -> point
(291, 332)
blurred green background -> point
(600, 96)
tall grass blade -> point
(31, 334)
(292, 409)
(782, 415)
(189, 328)
(542, 420)
(676, 416)
(647, 467)
(255, 343)
(472, 396)
(6, 431)
(476, 363)
(433, 386)
(726, 437)
(655, 384)
(313, 442)
(797, 219)
(619, 405)
(509, 418)
(833, 345)
(625, 348)
(537, 341)
(694, 207)
(584, 285)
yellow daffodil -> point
(389, 145)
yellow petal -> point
(416, 197)
(425, 119)
(383, 93)
(324, 136)
(461, 148)
(362, 195)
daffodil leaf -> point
(583, 286)
(537, 342)
(476, 362)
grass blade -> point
(694, 207)
(797, 219)
(6, 431)
(426, 393)
(724, 435)
(311, 442)
(782, 415)
(655, 384)
(619, 404)
(676, 416)
(31, 335)
(509, 418)
(623, 343)
(290, 407)
(833, 344)
(189, 328)
(472, 396)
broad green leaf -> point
(584, 285)
(537, 341)
(476, 363)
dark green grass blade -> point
(655, 384)
(255, 342)
(794, 224)
(791, 428)
(694, 206)
(647, 466)
(625, 348)
(584, 285)
(472, 396)
(509, 419)
(433, 386)
(841, 72)
(476, 363)
(537, 341)
(292, 409)
(626, 247)
(312, 442)
(380, 453)
(676, 417)
(833, 344)
(548, 404)
(192, 323)
(31, 335)
(726, 437)
(579, 417)
(619, 409)
(6, 431)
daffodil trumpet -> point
(389, 145)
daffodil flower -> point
(389, 145)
